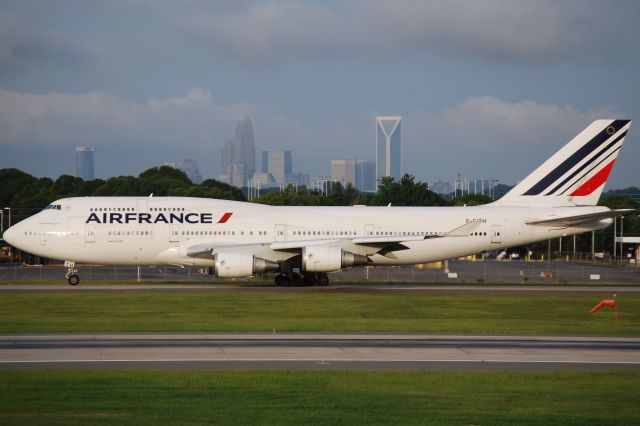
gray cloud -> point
(12, 37)
(21, 45)
(488, 137)
(527, 32)
(149, 133)
(479, 137)
(63, 120)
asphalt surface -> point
(356, 288)
(318, 351)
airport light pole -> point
(621, 237)
(1, 222)
(615, 234)
(549, 256)
(560, 248)
(9, 208)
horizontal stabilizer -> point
(574, 220)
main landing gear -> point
(306, 279)
(72, 273)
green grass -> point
(308, 311)
(157, 397)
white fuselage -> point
(160, 230)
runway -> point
(318, 351)
(357, 288)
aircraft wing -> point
(208, 250)
(461, 231)
(366, 245)
(567, 221)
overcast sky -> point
(486, 88)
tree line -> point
(26, 194)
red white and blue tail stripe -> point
(575, 175)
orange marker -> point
(611, 303)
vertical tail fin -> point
(575, 175)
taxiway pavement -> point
(325, 351)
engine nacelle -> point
(329, 259)
(240, 265)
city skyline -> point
(312, 76)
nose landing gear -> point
(72, 277)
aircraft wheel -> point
(323, 280)
(73, 279)
(282, 280)
(309, 279)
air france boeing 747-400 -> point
(238, 239)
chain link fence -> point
(488, 271)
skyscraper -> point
(389, 147)
(366, 176)
(344, 171)
(239, 154)
(361, 174)
(278, 164)
(84, 162)
(190, 167)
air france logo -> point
(192, 218)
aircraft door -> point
(174, 232)
(89, 233)
(281, 232)
(495, 234)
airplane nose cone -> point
(10, 235)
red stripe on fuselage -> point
(225, 217)
(595, 182)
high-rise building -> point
(360, 174)
(344, 171)
(192, 170)
(84, 162)
(366, 176)
(279, 164)
(239, 155)
(389, 147)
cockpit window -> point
(53, 206)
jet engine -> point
(240, 265)
(329, 259)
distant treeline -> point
(26, 194)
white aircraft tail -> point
(575, 175)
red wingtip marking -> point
(225, 217)
(595, 182)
